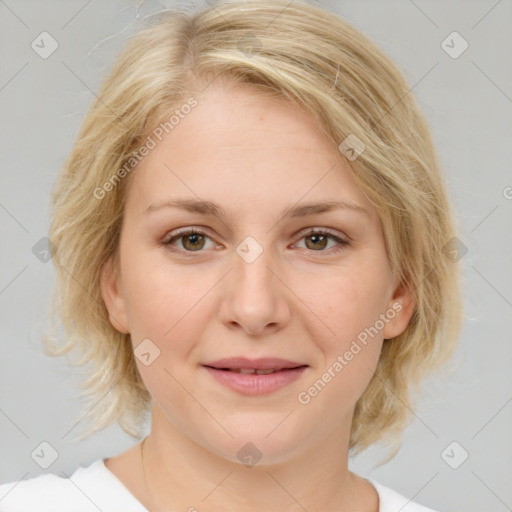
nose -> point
(255, 297)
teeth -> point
(265, 372)
(246, 370)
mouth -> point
(254, 371)
(255, 377)
(260, 366)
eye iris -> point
(323, 241)
(194, 241)
(193, 237)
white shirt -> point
(95, 488)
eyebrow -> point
(210, 208)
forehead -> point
(231, 116)
(240, 144)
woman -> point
(252, 234)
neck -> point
(183, 475)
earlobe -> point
(399, 312)
(114, 300)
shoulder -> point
(34, 493)
(392, 501)
(88, 489)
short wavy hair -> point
(313, 59)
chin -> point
(260, 447)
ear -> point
(113, 298)
(399, 311)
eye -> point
(317, 240)
(193, 240)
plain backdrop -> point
(468, 102)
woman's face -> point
(253, 281)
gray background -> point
(468, 102)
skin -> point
(302, 299)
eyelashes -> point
(194, 240)
(324, 235)
(195, 233)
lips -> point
(261, 366)
(255, 376)
(251, 371)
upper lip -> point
(264, 363)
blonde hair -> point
(311, 58)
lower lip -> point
(253, 384)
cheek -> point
(163, 303)
(349, 334)
(348, 302)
